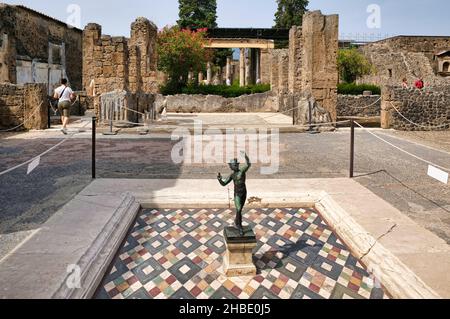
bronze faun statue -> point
(240, 189)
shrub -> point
(357, 89)
(221, 90)
(181, 51)
(353, 64)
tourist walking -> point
(405, 83)
(65, 95)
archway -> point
(446, 67)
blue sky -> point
(412, 17)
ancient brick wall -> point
(428, 108)
(279, 71)
(265, 65)
(358, 105)
(283, 71)
(407, 57)
(23, 104)
(295, 59)
(319, 72)
(31, 36)
(274, 70)
(118, 63)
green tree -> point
(290, 13)
(197, 14)
(179, 52)
(353, 64)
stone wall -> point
(36, 46)
(308, 69)
(262, 102)
(319, 71)
(279, 71)
(358, 105)
(265, 66)
(295, 59)
(428, 108)
(407, 57)
(23, 104)
(118, 63)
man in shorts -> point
(65, 95)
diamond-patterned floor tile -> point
(178, 254)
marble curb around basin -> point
(89, 230)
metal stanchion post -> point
(49, 119)
(111, 119)
(94, 128)
(352, 148)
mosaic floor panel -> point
(178, 254)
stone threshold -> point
(410, 262)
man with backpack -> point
(65, 95)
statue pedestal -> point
(238, 259)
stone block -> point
(238, 259)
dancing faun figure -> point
(240, 189)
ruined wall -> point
(319, 71)
(265, 65)
(143, 45)
(279, 71)
(37, 43)
(308, 69)
(295, 59)
(23, 104)
(405, 57)
(283, 71)
(428, 108)
(274, 70)
(118, 63)
(358, 105)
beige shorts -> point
(64, 108)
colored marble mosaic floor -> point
(177, 254)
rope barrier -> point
(25, 121)
(126, 108)
(402, 150)
(40, 155)
(415, 124)
(365, 107)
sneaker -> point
(64, 131)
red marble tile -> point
(314, 288)
(171, 279)
(196, 291)
(154, 292)
(259, 279)
(353, 287)
(275, 290)
(132, 280)
(236, 291)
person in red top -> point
(419, 84)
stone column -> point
(4, 65)
(248, 68)
(228, 69)
(209, 73)
(200, 78)
(242, 68)
(190, 77)
(258, 64)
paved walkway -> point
(27, 201)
